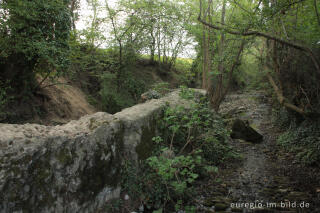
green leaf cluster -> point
(34, 39)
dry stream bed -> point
(267, 179)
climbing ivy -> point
(34, 40)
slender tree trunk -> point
(204, 60)
(159, 44)
(210, 53)
(216, 93)
(73, 18)
(208, 60)
(281, 98)
(152, 46)
(234, 66)
(221, 45)
(93, 22)
(164, 50)
(119, 73)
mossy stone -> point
(64, 156)
(146, 145)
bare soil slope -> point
(63, 102)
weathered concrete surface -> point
(74, 167)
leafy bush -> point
(161, 181)
(186, 93)
(134, 86)
(192, 142)
(217, 150)
(162, 88)
(175, 172)
(144, 185)
(30, 44)
(112, 100)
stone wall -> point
(74, 167)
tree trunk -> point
(210, 53)
(159, 45)
(204, 60)
(119, 73)
(216, 91)
(152, 46)
(281, 98)
(221, 45)
(73, 18)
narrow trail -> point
(254, 173)
(267, 179)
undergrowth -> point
(112, 100)
(192, 144)
(302, 139)
(5, 100)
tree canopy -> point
(34, 40)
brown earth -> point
(64, 102)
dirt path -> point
(267, 179)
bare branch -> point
(281, 98)
(267, 36)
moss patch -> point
(64, 156)
(105, 169)
(146, 146)
(94, 124)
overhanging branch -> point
(307, 50)
(281, 98)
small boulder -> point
(242, 130)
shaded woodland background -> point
(51, 72)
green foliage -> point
(134, 86)
(184, 72)
(144, 185)
(97, 70)
(304, 141)
(186, 93)
(113, 101)
(161, 88)
(158, 211)
(175, 172)
(192, 142)
(250, 74)
(34, 40)
(162, 180)
(86, 59)
(215, 146)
